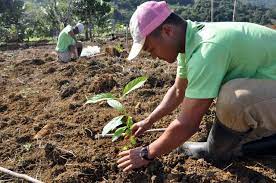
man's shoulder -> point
(207, 52)
(67, 29)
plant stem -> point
(98, 136)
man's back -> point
(64, 39)
(219, 52)
(251, 48)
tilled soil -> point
(36, 91)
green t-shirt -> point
(65, 40)
(218, 52)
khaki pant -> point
(64, 56)
(248, 105)
(67, 55)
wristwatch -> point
(144, 154)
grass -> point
(37, 39)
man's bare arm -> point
(171, 100)
(177, 133)
(182, 128)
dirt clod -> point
(49, 59)
(104, 83)
(57, 155)
(50, 70)
(2, 59)
(73, 106)
(58, 169)
(15, 97)
(63, 82)
(112, 51)
(37, 61)
(89, 133)
(3, 107)
(70, 71)
(23, 139)
(67, 92)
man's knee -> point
(231, 103)
(71, 48)
(64, 56)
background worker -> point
(67, 46)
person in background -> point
(233, 62)
(67, 45)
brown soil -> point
(37, 90)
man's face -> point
(163, 46)
(76, 30)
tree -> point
(10, 16)
(34, 21)
(92, 12)
(223, 11)
(59, 12)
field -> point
(36, 91)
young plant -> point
(124, 122)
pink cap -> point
(147, 17)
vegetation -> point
(223, 11)
(124, 121)
(25, 19)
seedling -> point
(27, 146)
(124, 122)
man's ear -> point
(76, 30)
(167, 30)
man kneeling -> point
(67, 46)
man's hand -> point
(131, 159)
(140, 127)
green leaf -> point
(118, 133)
(129, 122)
(134, 84)
(128, 132)
(99, 97)
(111, 125)
(133, 140)
(116, 104)
(125, 148)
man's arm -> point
(73, 50)
(180, 130)
(71, 33)
(170, 102)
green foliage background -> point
(24, 19)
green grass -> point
(35, 39)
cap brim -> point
(135, 49)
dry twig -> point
(18, 175)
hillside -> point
(199, 10)
(265, 3)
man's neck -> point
(182, 32)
